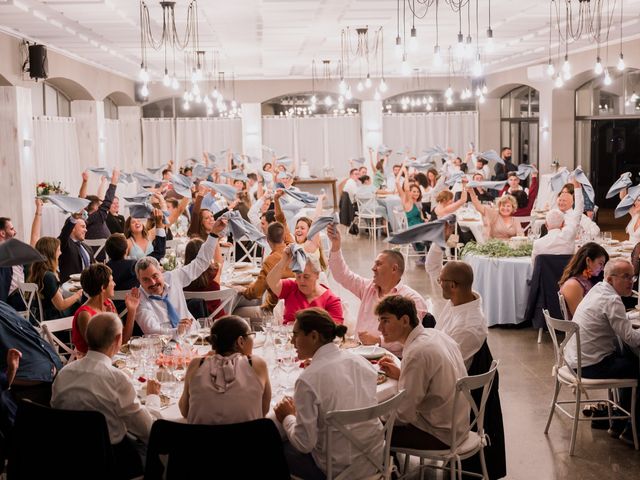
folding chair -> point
(29, 292)
(341, 420)
(249, 253)
(225, 296)
(49, 328)
(563, 308)
(370, 218)
(97, 242)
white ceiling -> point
(279, 38)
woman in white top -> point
(633, 227)
(334, 380)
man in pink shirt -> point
(387, 269)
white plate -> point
(370, 352)
(75, 277)
(241, 281)
(241, 265)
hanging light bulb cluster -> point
(592, 20)
(169, 42)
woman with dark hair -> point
(45, 275)
(230, 385)
(335, 380)
(97, 283)
(576, 280)
(209, 280)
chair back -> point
(97, 244)
(367, 207)
(543, 292)
(563, 307)
(86, 452)
(247, 252)
(569, 329)
(29, 293)
(340, 419)
(225, 296)
(400, 218)
(49, 328)
(464, 387)
(242, 450)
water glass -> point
(606, 236)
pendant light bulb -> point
(398, 48)
(328, 101)
(383, 85)
(413, 40)
(360, 86)
(405, 69)
(621, 66)
(166, 80)
(598, 69)
(144, 90)
(143, 75)
(377, 96)
(348, 95)
(551, 70)
(342, 86)
(490, 46)
(607, 77)
(437, 57)
(185, 105)
(367, 82)
(558, 82)
(175, 84)
(449, 101)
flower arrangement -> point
(496, 248)
(169, 262)
(47, 188)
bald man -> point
(461, 316)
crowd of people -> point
(231, 384)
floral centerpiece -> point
(48, 188)
(497, 248)
(169, 262)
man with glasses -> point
(602, 319)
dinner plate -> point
(75, 277)
(370, 352)
(241, 281)
(241, 265)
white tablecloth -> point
(52, 220)
(391, 202)
(502, 283)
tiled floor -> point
(526, 387)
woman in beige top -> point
(229, 385)
(499, 222)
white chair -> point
(225, 296)
(563, 307)
(369, 217)
(565, 375)
(471, 442)
(523, 220)
(49, 328)
(341, 420)
(29, 293)
(119, 295)
(406, 249)
(249, 253)
(96, 242)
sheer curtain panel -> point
(197, 135)
(158, 141)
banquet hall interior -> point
(490, 148)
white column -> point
(252, 129)
(371, 118)
(17, 164)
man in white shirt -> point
(565, 202)
(163, 308)
(602, 319)
(352, 184)
(93, 384)
(431, 365)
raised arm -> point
(83, 187)
(188, 273)
(195, 212)
(36, 224)
(476, 202)
(274, 277)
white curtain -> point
(344, 136)
(56, 153)
(279, 133)
(420, 131)
(158, 141)
(197, 135)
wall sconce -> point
(27, 142)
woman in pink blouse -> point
(303, 292)
(499, 222)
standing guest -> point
(98, 211)
(209, 280)
(115, 221)
(514, 189)
(230, 385)
(499, 222)
(602, 320)
(163, 308)
(388, 268)
(577, 277)
(503, 170)
(94, 384)
(75, 254)
(431, 365)
(334, 380)
(305, 291)
(97, 283)
(45, 275)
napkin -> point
(235, 174)
(145, 180)
(68, 204)
(425, 232)
(384, 150)
(623, 182)
(139, 197)
(266, 176)
(303, 197)
(240, 228)
(283, 175)
(108, 172)
(181, 184)
(489, 185)
(454, 178)
(587, 188)
(14, 252)
(359, 160)
(202, 172)
(212, 158)
(298, 258)
(321, 223)
(627, 202)
(436, 152)
(154, 170)
(144, 210)
(227, 191)
(491, 155)
(286, 161)
(268, 149)
(559, 180)
(524, 170)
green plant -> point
(496, 248)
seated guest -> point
(97, 283)
(565, 202)
(163, 308)
(602, 319)
(94, 384)
(334, 380)
(45, 275)
(366, 188)
(445, 204)
(11, 277)
(482, 167)
(431, 365)
(115, 221)
(99, 210)
(351, 184)
(499, 222)
(576, 280)
(278, 238)
(209, 280)
(123, 269)
(462, 317)
(305, 291)
(484, 195)
(633, 227)
(514, 189)
(231, 385)
(388, 268)
(140, 240)
(75, 255)
(39, 363)
(8, 405)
